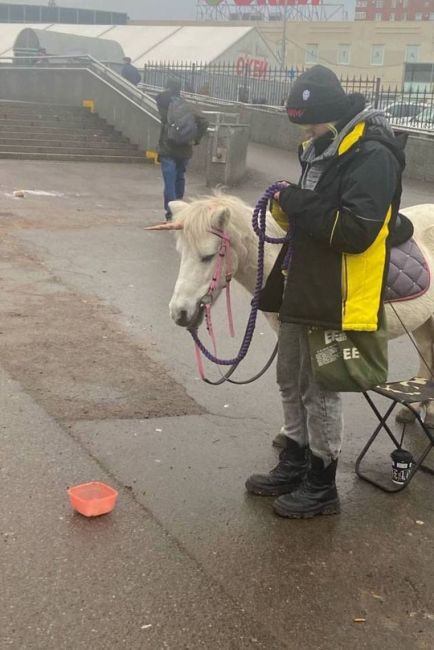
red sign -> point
(252, 67)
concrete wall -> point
(221, 156)
(274, 129)
(270, 127)
(72, 86)
(420, 158)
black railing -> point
(252, 81)
(249, 80)
(408, 108)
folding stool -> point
(404, 393)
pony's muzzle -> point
(185, 317)
(181, 318)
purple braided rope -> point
(259, 226)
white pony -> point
(198, 248)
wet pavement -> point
(187, 560)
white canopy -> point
(147, 43)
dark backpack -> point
(181, 122)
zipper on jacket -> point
(306, 170)
(344, 285)
(334, 227)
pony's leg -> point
(424, 337)
(429, 414)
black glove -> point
(294, 201)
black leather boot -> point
(280, 441)
(286, 476)
(317, 495)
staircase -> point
(46, 132)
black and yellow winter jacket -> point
(343, 210)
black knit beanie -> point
(317, 97)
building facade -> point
(357, 49)
(394, 10)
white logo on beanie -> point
(306, 95)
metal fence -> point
(409, 109)
(252, 81)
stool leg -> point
(418, 464)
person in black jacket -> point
(130, 72)
(342, 211)
(174, 157)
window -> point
(418, 16)
(17, 13)
(50, 14)
(431, 16)
(377, 55)
(33, 14)
(344, 54)
(105, 17)
(360, 15)
(379, 4)
(86, 17)
(311, 53)
(392, 17)
(404, 4)
(412, 53)
(362, 3)
(378, 16)
(68, 16)
(393, 4)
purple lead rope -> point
(259, 226)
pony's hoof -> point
(405, 416)
(280, 441)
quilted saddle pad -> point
(409, 275)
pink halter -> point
(224, 253)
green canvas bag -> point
(351, 361)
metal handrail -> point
(134, 94)
(86, 61)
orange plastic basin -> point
(92, 499)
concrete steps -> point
(71, 137)
(47, 143)
(83, 150)
(44, 132)
(71, 157)
(28, 129)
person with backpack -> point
(343, 213)
(181, 128)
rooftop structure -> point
(51, 13)
(270, 10)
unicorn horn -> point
(165, 226)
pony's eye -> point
(207, 258)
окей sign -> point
(247, 65)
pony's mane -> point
(200, 215)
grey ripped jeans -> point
(312, 415)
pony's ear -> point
(221, 218)
(177, 206)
